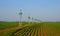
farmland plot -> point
(40, 29)
(36, 29)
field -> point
(4, 25)
(33, 29)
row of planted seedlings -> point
(34, 31)
(48, 33)
(31, 30)
(21, 31)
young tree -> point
(20, 15)
(29, 19)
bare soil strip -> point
(7, 29)
(14, 27)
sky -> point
(45, 10)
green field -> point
(4, 25)
(34, 29)
(53, 25)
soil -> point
(7, 29)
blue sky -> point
(45, 10)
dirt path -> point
(14, 27)
(7, 29)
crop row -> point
(27, 31)
(34, 30)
